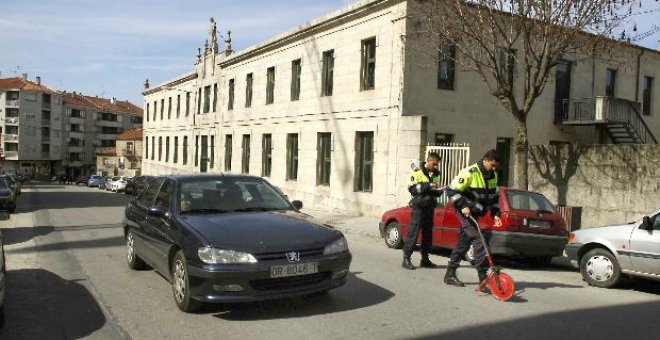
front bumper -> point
(524, 244)
(212, 285)
(571, 252)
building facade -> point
(46, 132)
(333, 111)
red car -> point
(531, 227)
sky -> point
(109, 47)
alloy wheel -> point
(179, 281)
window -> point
(228, 152)
(368, 73)
(207, 98)
(443, 138)
(160, 148)
(506, 62)
(175, 158)
(148, 196)
(162, 108)
(446, 66)
(245, 166)
(153, 148)
(155, 109)
(147, 112)
(212, 151)
(167, 149)
(610, 82)
(199, 101)
(248, 90)
(504, 150)
(295, 79)
(292, 156)
(187, 103)
(270, 85)
(562, 88)
(647, 99)
(230, 100)
(164, 197)
(328, 70)
(185, 150)
(169, 108)
(323, 157)
(364, 161)
(196, 150)
(146, 148)
(215, 97)
(266, 154)
(178, 105)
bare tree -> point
(506, 40)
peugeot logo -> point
(293, 256)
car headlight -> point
(336, 247)
(214, 255)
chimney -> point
(146, 84)
(113, 101)
(38, 80)
(24, 76)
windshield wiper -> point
(257, 209)
(205, 210)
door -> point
(140, 213)
(562, 89)
(203, 162)
(158, 228)
(645, 248)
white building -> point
(333, 111)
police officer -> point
(472, 192)
(423, 184)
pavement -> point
(365, 226)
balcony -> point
(621, 118)
(109, 123)
(45, 155)
(13, 103)
(10, 137)
(45, 105)
(76, 120)
(45, 122)
(11, 121)
(11, 154)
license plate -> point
(540, 224)
(294, 269)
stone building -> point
(333, 111)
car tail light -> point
(571, 237)
(512, 223)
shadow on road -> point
(23, 234)
(356, 294)
(95, 243)
(34, 201)
(633, 321)
(42, 305)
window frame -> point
(292, 144)
(327, 73)
(323, 158)
(266, 154)
(296, 70)
(364, 161)
(246, 140)
(447, 62)
(249, 79)
(368, 64)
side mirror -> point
(297, 204)
(646, 223)
(158, 211)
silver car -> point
(604, 254)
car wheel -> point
(180, 285)
(12, 209)
(600, 268)
(393, 237)
(134, 261)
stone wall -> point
(612, 183)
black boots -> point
(483, 286)
(451, 279)
(426, 263)
(407, 264)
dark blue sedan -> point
(229, 238)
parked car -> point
(12, 185)
(82, 180)
(137, 184)
(531, 227)
(605, 254)
(120, 184)
(7, 196)
(231, 238)
(3, 280)
(95, 181)
(23, 177)
(109, 181)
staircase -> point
(620, 118)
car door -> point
(139, 214)
(158, 231)
(645, 247)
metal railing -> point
(10, 154)
(607, 110)
(12, 103)
(454, 157)
(12, 120)
(10, 137)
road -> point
(68, 279)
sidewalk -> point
(365, 226)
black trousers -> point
(420, 219)
(468, 235)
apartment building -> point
(46, 132)
(125, 159)
(333, 111)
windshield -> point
(3, 184)
(524, 200)
(116, 178)
(221, 194)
